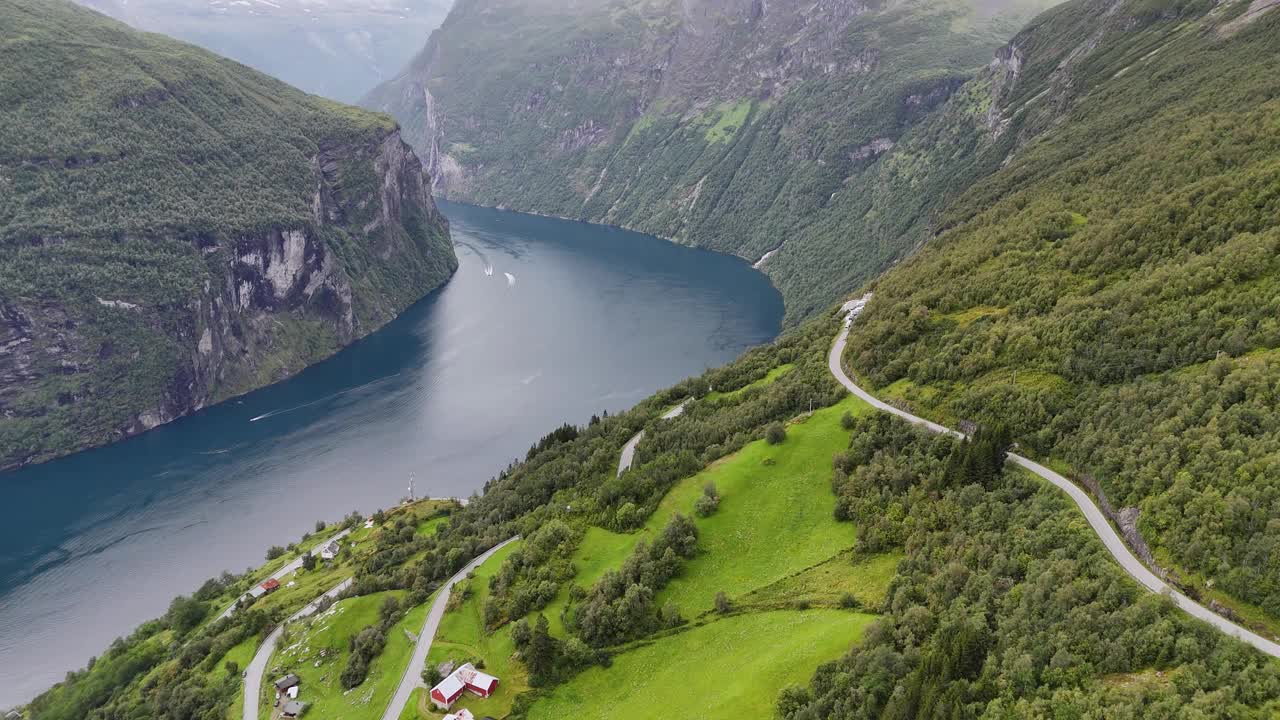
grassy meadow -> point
(728, 669)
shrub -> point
(847, 421)
(775, 434)
(708, 502)
(723, 606)
(274, 552)
(849, 602)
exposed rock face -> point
(239, 330)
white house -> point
(463, 714)
(330, 550)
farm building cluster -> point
(465, 678)
(287, 689)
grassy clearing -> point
(776, 519)
(768, 379)
(905, 390)
(599, 551)
(1142, 680)
(776, 513)
(865, 578)
(427, 527)
(731, 118)
(731, 668)
(319, 649)
(965, 318)
(462, 637)
(307, 586)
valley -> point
(725, 359)
(450, 391)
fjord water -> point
(546, 321)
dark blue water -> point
(592, 319)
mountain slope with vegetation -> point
(963, 587)
(1111, 292)
(176, 229)
(740, 126)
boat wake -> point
(340, 393)
(511, 279)
(488, 269)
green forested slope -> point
(743, 127)
(1112, 293)
(176, 228)
(997, 599)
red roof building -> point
(461, 680)
(271, 585)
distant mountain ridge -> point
(176, 229)
(335, 48)
(741, 126)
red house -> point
(271, 585)
(459, 681)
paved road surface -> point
(1115, 545)
(413, 671)
(629, 450)
(288, 568)
(258, 666)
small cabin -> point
(288, 681)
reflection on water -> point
(546, 321)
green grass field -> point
(599, 551)
(776, 513)
(729, 669)
(326, 639)
(865, 578)
(462, 637)
(768, 379)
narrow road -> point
(288, 568)
(629, 450)
(1114, 544)
(258, 666)
(413, 671)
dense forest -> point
(1112, 293)
(1007, 606)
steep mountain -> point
(335, 48)
(1111, 291)
(177, 229)
(749, 127)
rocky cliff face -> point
(270, 303)
(176, 229)
(744, 126)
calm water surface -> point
(574, 319)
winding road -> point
(413, 671)
(258, 666)
(629, 450)
(288, 568)
(1114, 544)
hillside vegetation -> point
(1111, 294)
(176, 229)
(993, 595)
(739, 126)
